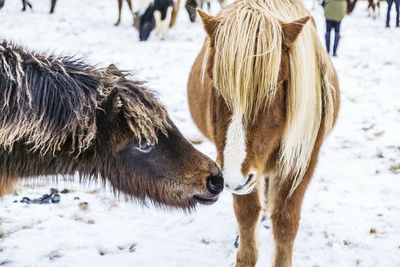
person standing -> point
(397, 5)
(334, 11)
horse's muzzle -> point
(214, 185)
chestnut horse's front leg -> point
(247, 211)
(285, 217)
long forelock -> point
(49, 102)
(248, 43)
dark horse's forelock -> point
(50, 102)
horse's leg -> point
(379, 8)
(165, 23)
(131, 9)
(119, 12)
(53, 6)
(23, 5)
(247, 211)
(158, 21)
(29, 5)
(285, 212)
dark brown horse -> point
(264, 90)
(61, 116)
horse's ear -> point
(210, 23)
(292, 30)
(112, 69)
(110, 104)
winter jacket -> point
(335, 9)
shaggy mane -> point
(248, 49)
(49, 102)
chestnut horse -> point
(61, 116)
(264, 90)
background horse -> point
(27, 3)
(129, 2)
(265, 92)
(191, 6)
(152, 14)
(374, 8)
(60, 116)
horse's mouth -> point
(205, 199)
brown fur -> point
(61, 116)
(129, 2)
(175, 12)
(263, 142)
(7, 187)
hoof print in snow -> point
(347, 242)
(395, 168)
(76, 198)
(64, 191)
(54, 255)
(4, 263)
(205, 241)
(372, 231)
(132, 248)
(84, 206)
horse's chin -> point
(205, 199)
(189, 204)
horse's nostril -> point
(215, 184)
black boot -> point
(328, 42)
(336, 44)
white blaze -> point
(234, 152)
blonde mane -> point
(247, 62)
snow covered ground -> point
(351, 213)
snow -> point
(351, 211)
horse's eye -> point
(145, 147)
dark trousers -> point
(397, 4)
(330, 24)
